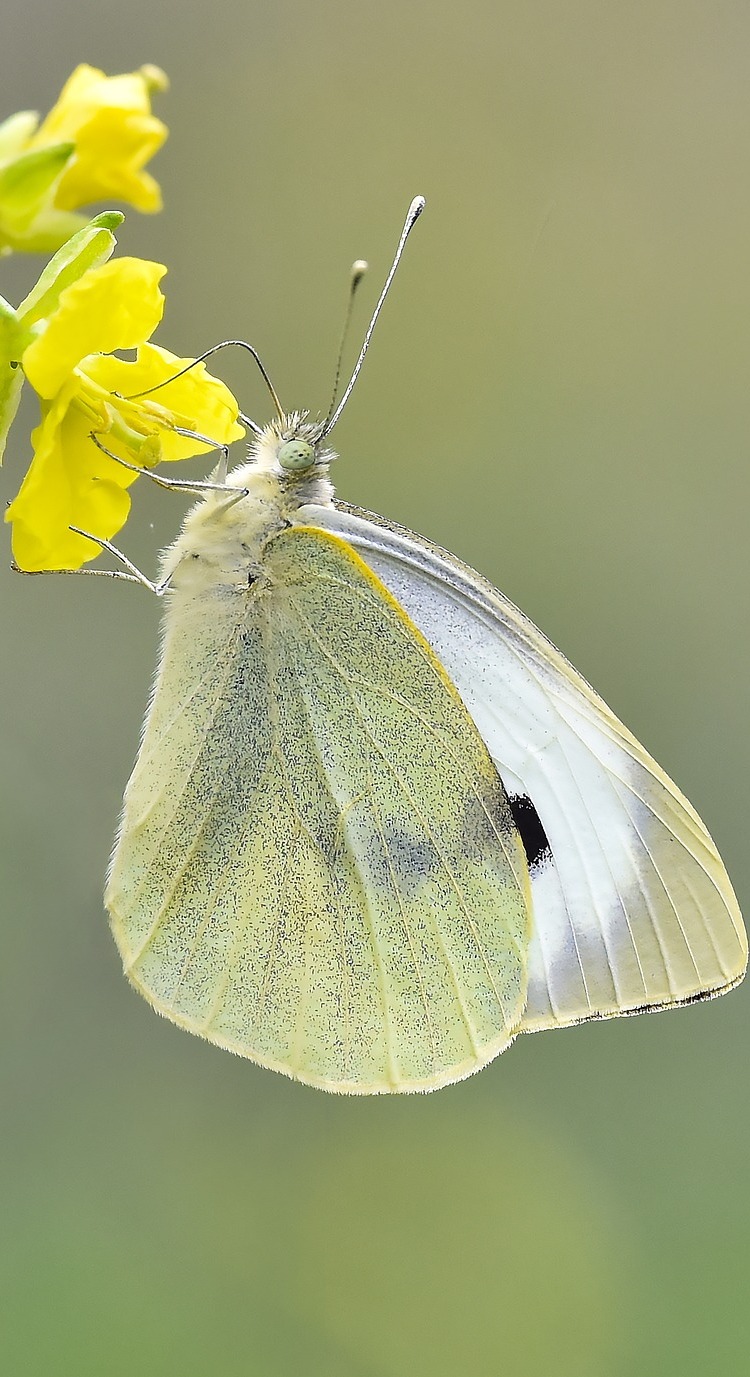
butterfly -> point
(378, 825)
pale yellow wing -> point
(317, 866)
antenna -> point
(359, 268)
(225, 344)
(413, 214)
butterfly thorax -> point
(223, 536)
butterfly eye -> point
(296, 455)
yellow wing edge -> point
(449, 1076)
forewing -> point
(632, 906)
(317, 866)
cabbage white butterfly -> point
(378, 825)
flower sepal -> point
(88, 248)
(11, 375)
(15, 133)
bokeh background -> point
(558, 391)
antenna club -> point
(359, 268)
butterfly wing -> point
(317, 865)
(632, 906)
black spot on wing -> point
(533, 835)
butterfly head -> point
(293, 449)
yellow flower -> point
(109, 121)
(90, 247)
(85, 391)
(92, 146)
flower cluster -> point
(92, 146)
(97, 408)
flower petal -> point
(70, 483)
(107, 165)
(115, 306)
(196, 401)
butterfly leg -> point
(134, 574)
(97, 573)
(186, 484)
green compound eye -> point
(296, 455)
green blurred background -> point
(558, 391)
